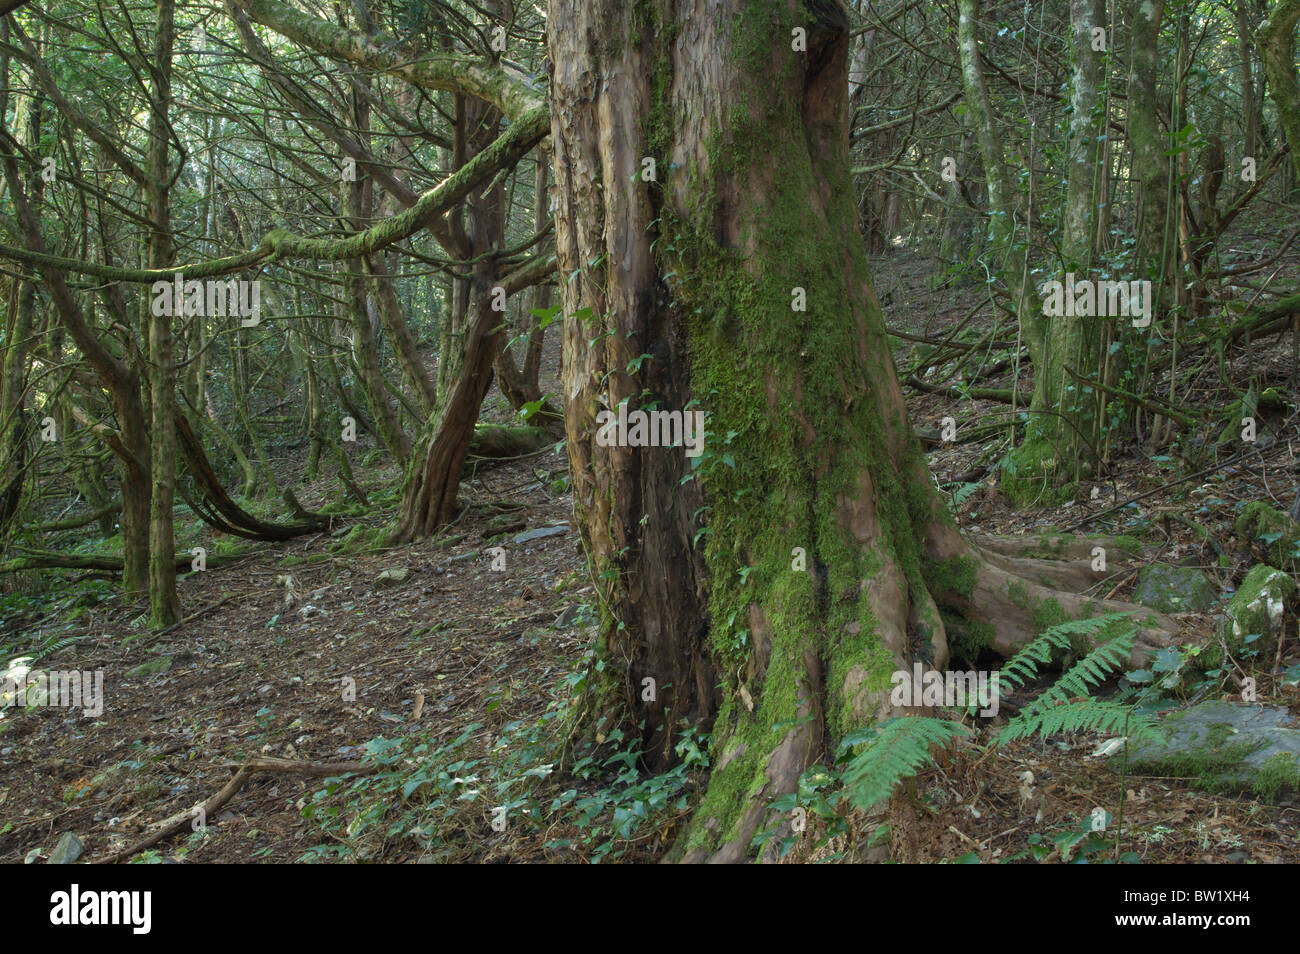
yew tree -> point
(772, 585)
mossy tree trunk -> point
(20, 300)
(1276, 42)
(1147, 142)
(1062, 426)
(131, 443)
(775, 587)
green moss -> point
(1253, 611)
(1047, 613)
(1030, 476)
(955, 575)
(1208, 769)
(362, 538)
(1220, 767)
(1279, 773)
(967, 638)
(1276, 531)
(1218, 733)
(1130, 545)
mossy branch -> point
(509, 90)
(508, 149)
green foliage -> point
(444, 796)
(880, 757)
(892, 752)
(1067, 706)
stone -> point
(1253, 618)
(1174, 589)
(1260, 602)
(393, 576)
(541, 533)
(66, 851)
(1224, 747)
(150, 668)
(1273, 535)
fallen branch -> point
(188, 619)
(1165, 486)
(182, 820)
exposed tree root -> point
(1013, 595)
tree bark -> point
(164, 603)
(773, 584)
(1276, 42)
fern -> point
(898, 748)
(896, 751)
(1090, 671)
(1083, 715)
(1067, 706)
(1023, 666)
(51, 648)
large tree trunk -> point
(808, 456)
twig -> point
(1142, 496)
(150, 640)
(184, 819)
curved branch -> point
(508, 149)
(511, 91)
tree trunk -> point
(776, 586)
(164, 604)
(1276, 42)
(1063, 416)
(1146, 140)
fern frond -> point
(54, 647)
(1092, 670)
(1085, 715)
(1023, 666)
(898, 750)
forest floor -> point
(451, 657)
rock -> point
(1259, 603)
(150, 668)
(541, 533)
(1224, 747)
(394, 576)
(1174, 589)
(66, 851)
(1269, 532)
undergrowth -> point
(453, 801)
